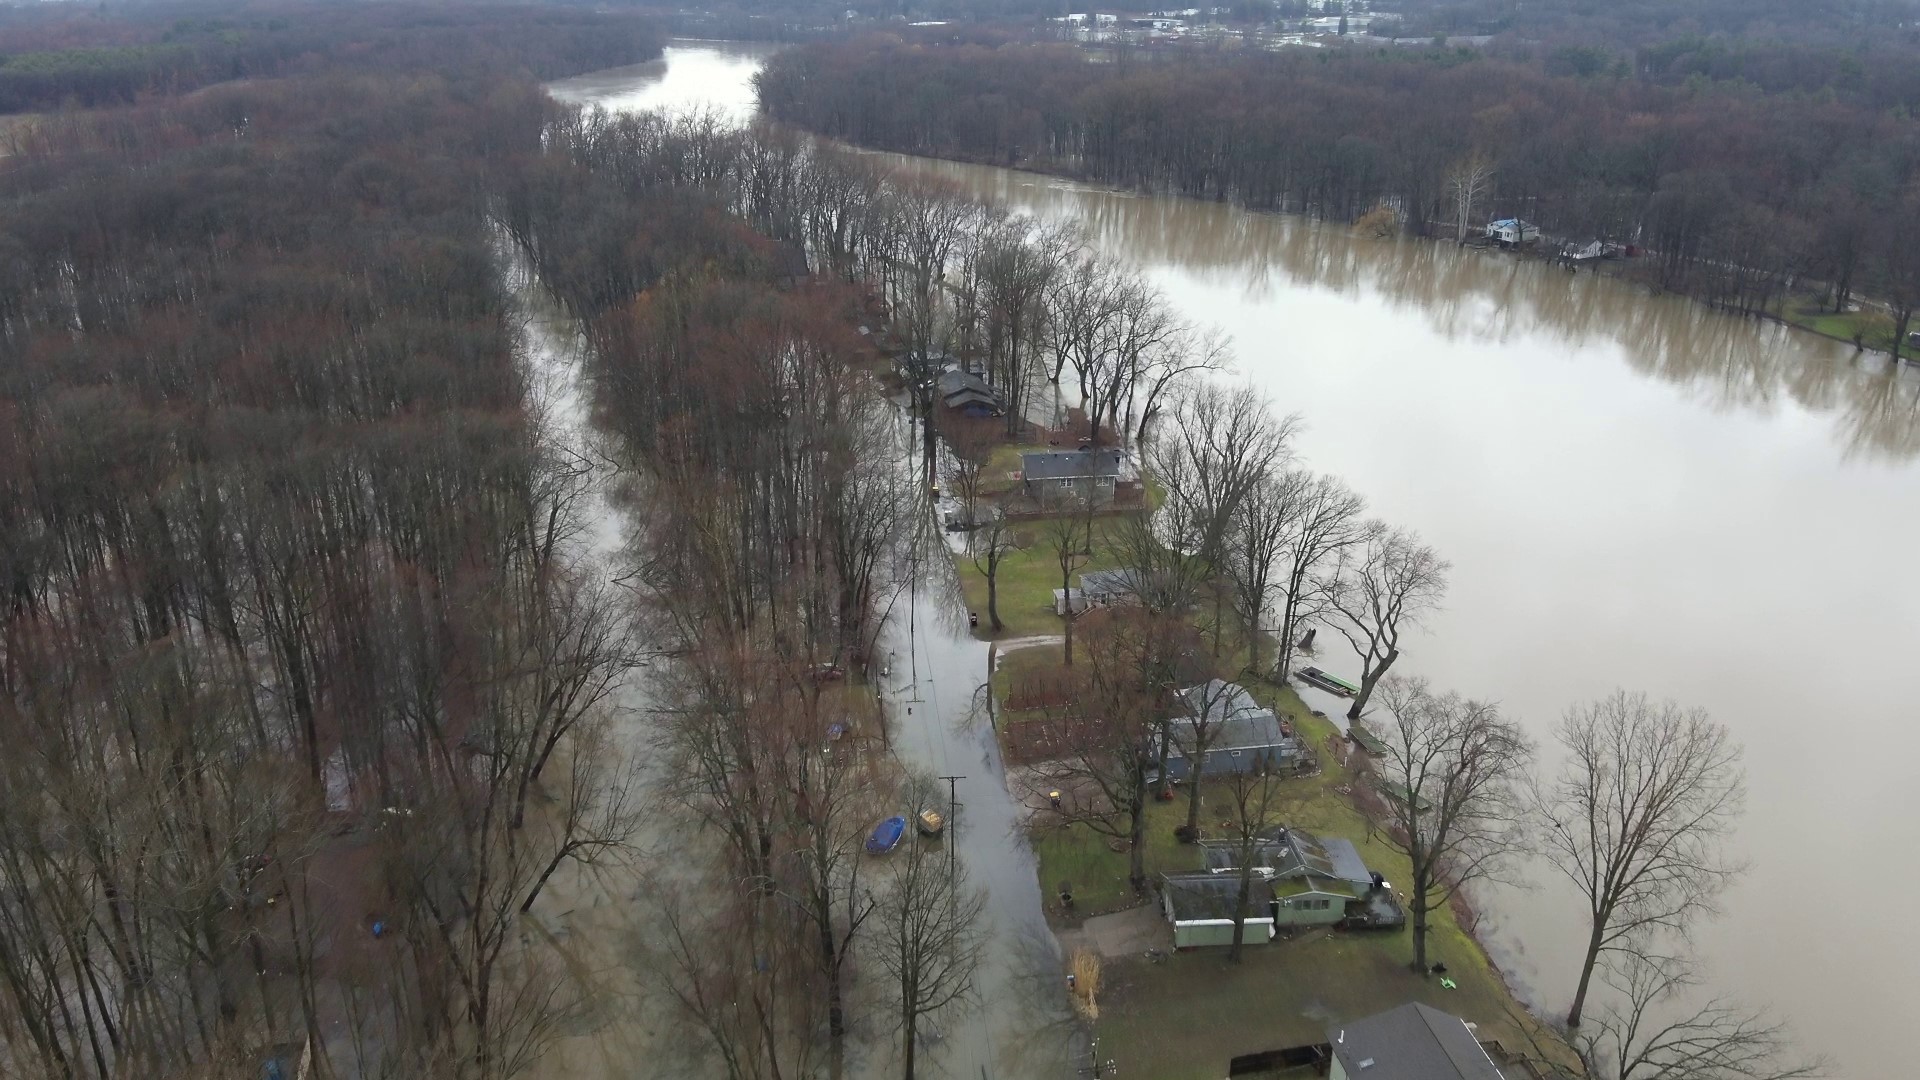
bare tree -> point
(1255, 542)
(1638, 816)
(1453, 779)
(1257, 799)
(1113, 720)
(990, 545)
(929, 939)
(1468, 181)
(1324, 521)
(1223, 444)
(1653, 1033)
(1068, 533)
(1387, 586)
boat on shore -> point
(886, 835)
(930, 823)
(1321, 680)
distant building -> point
(1088, 474)
(1511, 232)
(1412, 1042)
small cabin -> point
(1512, 232)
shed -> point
(1201, 909)
(1412, 1042)
(1098, 588)
(1244, 743)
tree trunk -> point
(1370, 680)
(906, 1051)
(1193, 802)
(1420, 930)
(1586, 976)
(1240, 906)
(993, 599)
(1900, 333)
(1136, 855)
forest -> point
(51, 56)
(1737, 195)
(300, 672)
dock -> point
(1366, 740)
(1321, 680)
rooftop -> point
(1207, 896)
(1292, 853)
(1412, 1042)
(1069, 464)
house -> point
(1241, 736)
(1316, 881)
(1201, 909)
(970, 394)
(1089, 474)
(1412, 1042)
(1510, 232)
(1098, 588)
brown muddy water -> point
(1634, 491)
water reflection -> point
(1464, 293)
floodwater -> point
(1634, 491)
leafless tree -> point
(1257, 799)
(1068, 533)
(1453, 780)
(1222, 445)
(1468, 181)
(1019, 261)
(930, 933)
(1324, 522)
(1123, 696)
(1379, 589)
(1638, 818)
(1654, 1032)
(1255, 542)
(991, 544)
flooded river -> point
(1634, 491)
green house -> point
(1311, 900)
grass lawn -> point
(1027, 578)
(1874, 327)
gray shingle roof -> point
(1069, 464)
(1292, 853)
(1206, 896)
(1412, 1042)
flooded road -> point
(1634, 491)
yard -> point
(1027, 577)
(1873, 327)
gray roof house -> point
(1412, 1042)
(1241, 736)
(970, 394)
(1090, 474)
(1290, 853)
(1098, 588)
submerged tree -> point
(1638, 818)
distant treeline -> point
(1740, 194)
(52, 55)
(1628, 23)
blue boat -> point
(886, 835)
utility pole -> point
(953, 805)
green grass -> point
(1026, 579)
(1874, 327)
(1078, 854)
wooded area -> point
(52, 56)
(302, 683)
(1737, 194)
